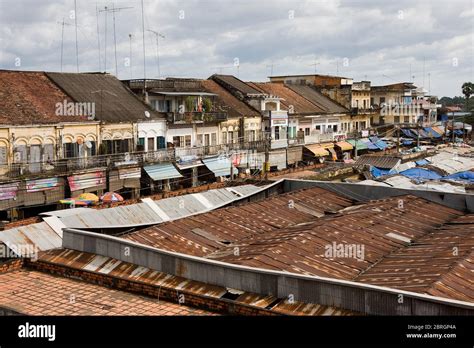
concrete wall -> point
(358, 297)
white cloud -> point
(377, 38)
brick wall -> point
(11, 265)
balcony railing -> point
(70, 165)
(190, 117)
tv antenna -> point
(158, 36)
(113, 10)
(63, 23)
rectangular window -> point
(207, 140)
(151, 144)
(230, 137)
(396, 119)
(252, 135)
(213, 139)
(161, 143)
(3, 155)
(308, 130)
(70, 150)
(224, 137)
(406, 119)
(187, 140)
(318, 127)
(277, 132)
(177, 141)
(199, 141)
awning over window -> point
(41, 184)
(162, 171)
(358, 144)
(317, 150)
(84, 181)
(344, 146)
(219, 165)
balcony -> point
(196, 117)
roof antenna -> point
(98, 35)
(77, 45)
(144, 54)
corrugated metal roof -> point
(124, 215)
(440, 263)
(204, 234)
(269, 234)
(384, 162)
(115, 104)
(27, 240)
(131, 272)
(162, 171)
(318, 98)
(380, 226)
(142, 214)
(219, 165)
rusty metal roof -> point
(384, 162)
(206, 233)
(440, 263)
(131, 272)
(407, 240)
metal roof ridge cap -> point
(277, 273)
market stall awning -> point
(431, 132)
(162, 171)
(438, 130)
(327, 145)
(358, 144)
(219, 165)
(344, 146)
(317, 150)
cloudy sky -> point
(428, 42)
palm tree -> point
(467, 90)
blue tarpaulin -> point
(432, 133)
(378, 172)
(382, 145)
(370, 145)
(462, 176)
(407, 142)
(421, 173)
(408, 133)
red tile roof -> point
(28, 98)
(37, 293)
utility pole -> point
(452, 128)
(144, 54)
(157, 36)
(398, 139)
(267, 144)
